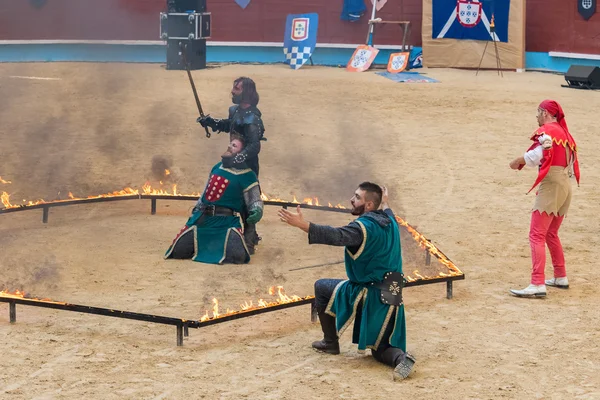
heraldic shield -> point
(586, 8)
(300, 38)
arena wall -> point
(554, 29)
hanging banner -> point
(380, 4)
(470, 19)
(242, 3)
(586, 8)
(300, 38)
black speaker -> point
(196, 54)
(583, 77)
(182, 6)
(185, 22)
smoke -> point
(161, 164)
(346, 154)
(29, 276)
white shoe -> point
(562, 283)
(531, 291)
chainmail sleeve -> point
(252, 198)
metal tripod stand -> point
(493, 36)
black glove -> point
(207, 121)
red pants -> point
(544, 230)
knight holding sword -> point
(244, 119)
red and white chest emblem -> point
(216, 187)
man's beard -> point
(227, 159)
(360, 210)
(236, 99)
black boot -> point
(404, 367)
(394, 357)
(330, 343)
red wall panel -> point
(552, 25)
(261, 21)
(555, 25)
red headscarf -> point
(556, 111)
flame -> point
(215, 308)
(424, 243)
(5, 197)
(20, 294)
(204, 317)
(247, 306)
(147, 189)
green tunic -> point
(225, 188)
(379, 253)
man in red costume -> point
(554, 152)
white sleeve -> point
(533, 158)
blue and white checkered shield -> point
(300, 38)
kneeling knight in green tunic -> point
(371, 297)
(214, 233)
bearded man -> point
(554, 153)
(244, 119)
(372, 294)
(214, 232)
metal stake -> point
(427, 257)
(46, 211)
(179, 335)
(186, 331)
(13, 312)
(448, 290)
(153, 206)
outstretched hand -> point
(294, 219)
(384, 198)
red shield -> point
(468, 13)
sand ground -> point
(443, 149)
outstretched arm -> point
(350, 235)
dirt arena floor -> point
(443, 149)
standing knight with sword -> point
(244, 119)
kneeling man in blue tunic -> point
(372, 294)
(214, 233)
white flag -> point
(380, 4)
